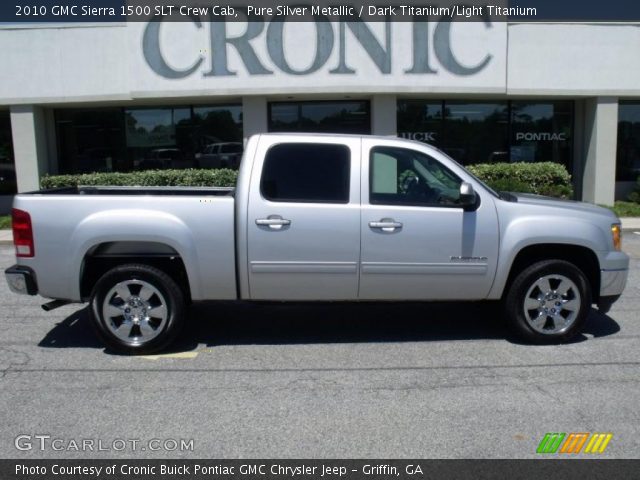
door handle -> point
(275, 222)
(386, 225)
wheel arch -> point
(581, 257)
(105, 256)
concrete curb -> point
(6, 237)
(630, 224)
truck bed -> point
(195, 224)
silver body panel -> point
(438, 253)
(67, 227)
(316, 256)
(326, 251)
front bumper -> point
(612, 282)
(21, 280)
(614, 269)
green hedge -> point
(542, 178)
(545, 178)
(162, 178)
(635, 195)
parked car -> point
(220, 155)
(161, 158)
(317, 217)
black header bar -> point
(35, 12)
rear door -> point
(303, 227)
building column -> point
(52, 142)
(384, 115)
(600, 137)
(254, 116)
(28, 130)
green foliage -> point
(5, 221)
(548, 178)
(626, 209)
(147, 178)
(635, 196)
(545, 178)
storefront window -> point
(115, 139)
(322, 117)
(216, 125)
(628, 156)
(90, 140)
(490, 132)
(7, 165)
(476, 132)
(159, 138)
(542, 132)
(419, 120)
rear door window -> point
(306, 173)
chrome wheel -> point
(552, 304)
(135, 311)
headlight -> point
(616, 234)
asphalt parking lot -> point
(337, 381)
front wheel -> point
(137, 309)
(548, 302)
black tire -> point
(166, 301)
(538, 325)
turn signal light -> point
(22, 233)
(617, 236)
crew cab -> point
(317, 218)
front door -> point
(417, 242)
(304, 220)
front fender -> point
(539, 230)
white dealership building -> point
(123, 96)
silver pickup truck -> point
(317, 218)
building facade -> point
(119, 97)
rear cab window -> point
(306, 173)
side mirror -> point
(468, 196)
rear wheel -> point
(137, 309)
(548, 302)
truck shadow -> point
(226, 323)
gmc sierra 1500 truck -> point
(317, 218)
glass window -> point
(401, 176)
(116, 139)
(322, 117)
(160, 138)
(213, 127)
(476, 132)
(284, 117)
(628, 155)
(306, 172)
(420, 120)
(542, 132)
(489, 132)
(90, 140)
(231, 148)
(8, 184)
